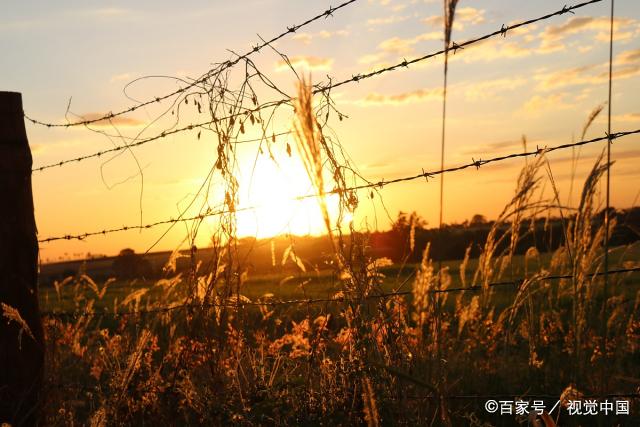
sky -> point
(541, 82)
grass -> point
(425, 359)
(314, 285)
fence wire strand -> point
(309, 301)
(370, 185)
(319, 88)
(224, 66)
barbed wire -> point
(336, 299)
(380, 184)
(224, 66)
(455, 46)
(322, 88)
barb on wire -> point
(320, 88)
(340, 299)
(379, 184)
(223, 66)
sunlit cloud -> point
(420, 95)
(394, 19)
(120, 77)
(628, 57)
(491, 50)
(627, 64)
(491, 148)
(371, 58)
(108, 11)
(307, 38)
(118, 121)
(539, 104)
(575, 25)
(310, 63)
(464, 15)
(628, 117)
(404, 46)
(491, 88)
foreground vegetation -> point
(232, 355)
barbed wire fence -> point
(231, 109)
(512, 284)
(319, 89)
(370, 185)
(228, 117)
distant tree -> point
(477, 220)
(406, 220)
(129, 265)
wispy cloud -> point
(539, 104)
(627, 64)
(579, 24)
(310, 63)
(103, 12)
(307, 38)
(628, 117)
(404, 46)
(394, 19)
(119, 121)
(492, 49)
(464, 15)
(491, 88)
(120, 77)
(420, 95)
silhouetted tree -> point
(477, 220)
(129, 265)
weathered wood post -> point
(21, 350)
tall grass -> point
(362, 360)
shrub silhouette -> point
(129, 265)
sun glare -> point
(272, 189)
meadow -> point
(219, 346)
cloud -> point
(108, 11)
(308, 62)
(307, 38)
(628, 117)
(386, 21)
(121, 121)
(120, 77)
(403, 46)
(490, 88)
(420, 95)
(37, 148)
(491, 148)
(575, 25)
(371, 58)
(545, 103)
(464, 15)
(628, 57)
(490, 50)
(626, 65)
(554, 35)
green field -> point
(74, 292)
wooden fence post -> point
(21, 349)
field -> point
(321, 284)
(267, 361)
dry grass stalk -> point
(12, 315)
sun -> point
(274, 189)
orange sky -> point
(541, 81)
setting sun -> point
(274, 189)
